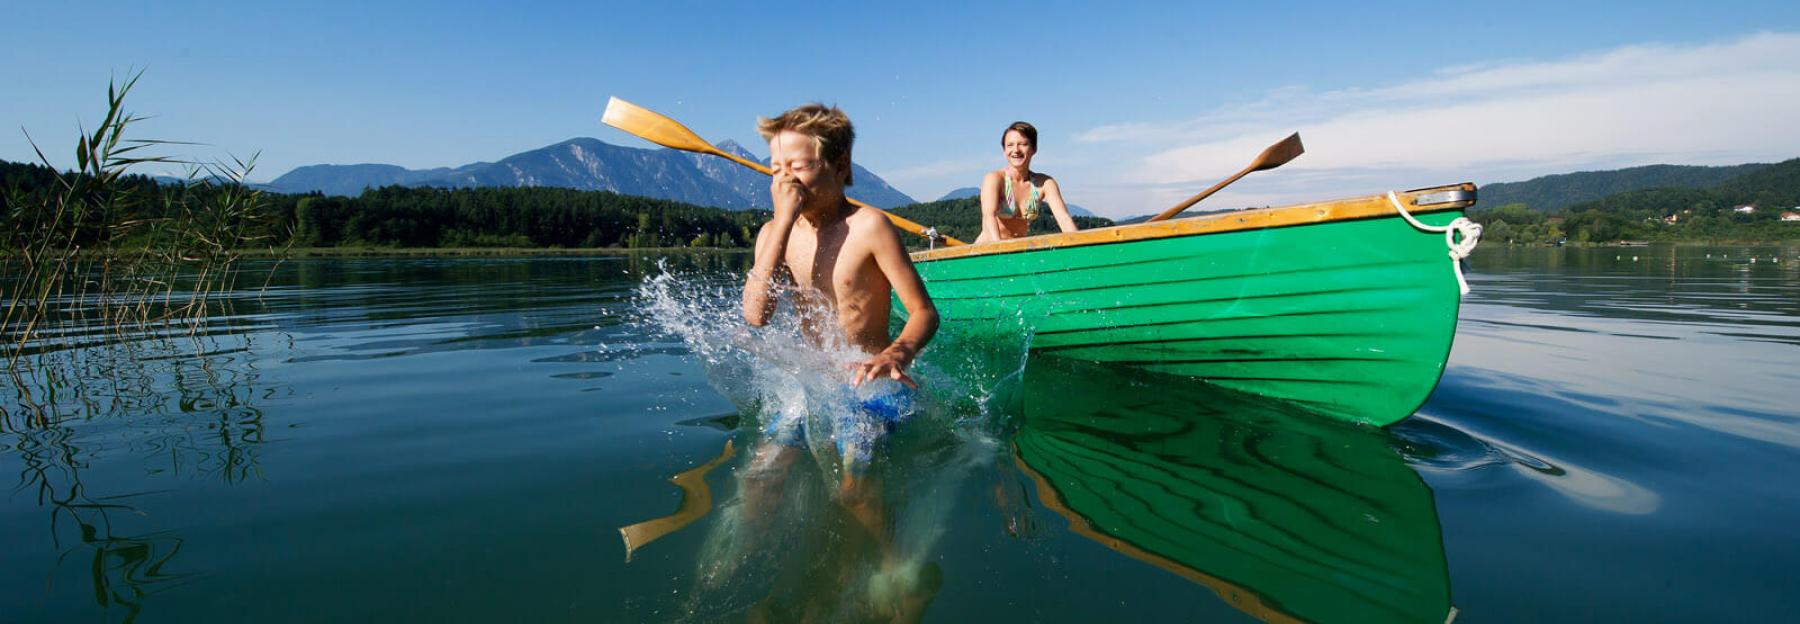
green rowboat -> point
(1341, 307)
(1285, 516)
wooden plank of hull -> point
(1350, 315)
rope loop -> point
(1460, 235)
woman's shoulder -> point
(1040, 178)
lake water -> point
(462, 440)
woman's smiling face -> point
(1017, 149)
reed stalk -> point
(103, 256)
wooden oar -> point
(696, 500)
(656, 128)
(1277, 155)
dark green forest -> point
(1554, 192)
(1673, 213)
(398, 216)
(425, 217)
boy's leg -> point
(861, 497)
(736, 537)
(760, 485)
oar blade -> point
(1274, 156)
(655, 128)
(1280, 153)
(650, 126)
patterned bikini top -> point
(1010, 207)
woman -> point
(1014, 196)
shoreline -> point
(1682, 243)
(327, 252)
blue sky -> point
(1139, 105)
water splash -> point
(800, 360)
(795, 535)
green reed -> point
(100, 248)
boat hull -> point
(1341, 307)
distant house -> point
(1744, 209)
(1672, 219)
(1790, 216)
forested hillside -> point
(1554, 192)
(428, 217)
(1662, 214)
(397, 216)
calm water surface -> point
(462, 439)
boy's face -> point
(797, 153)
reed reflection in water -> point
(180, 398)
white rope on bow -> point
(1470, 232)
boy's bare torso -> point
(837, 277)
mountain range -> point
(592, 165)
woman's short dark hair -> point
(1023, 128)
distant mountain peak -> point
(736, 149)
(967, 191)
(581, 142)
(588, 163)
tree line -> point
(531, 217)
(398, 216)
(1555, 192)
(1661, 214)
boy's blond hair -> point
(829, 128)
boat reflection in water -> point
(1284, 515)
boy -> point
(845, 263)
(844, 258)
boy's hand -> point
(788, 195)
(890, 363)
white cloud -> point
(1722, 103)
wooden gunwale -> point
(1284, 216)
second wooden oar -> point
(661, 130)
(1277, 155)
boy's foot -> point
(901, 592)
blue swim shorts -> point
(864, 419)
